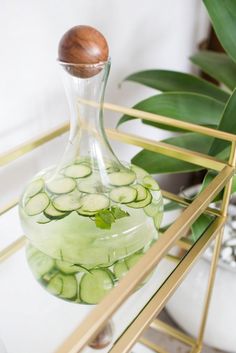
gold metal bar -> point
(102, 312)
(216, 253)
(12, 248)
(152, 346)
(227, 191)
(173, 332)
(183, 201)
(155, 305)
(168, 150)
(8, 206)
(30, 145)
(163, 120)
(173, 258)
(184, 243)
(170, 121)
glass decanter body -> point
(90, 218)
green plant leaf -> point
(154, 162)
(218, 65)
(190, 107)
(211, 174)
(164, 80)
(200, 225)
(223, 16)
(227, 123)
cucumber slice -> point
(52, 213)
(94, 203)
(150, 183)
(140, 172)
(55, 285)
(37, 204)
(152, 209)
(133, 259)
(34, 188)
(40, 264)
(95, 285)
(49, 275)
(142, 192)
(88, 186)
(121, 178)
(143, 203)
(61, 186)
(85, 213)
(123, 194)
(120, 269)
(77, 171)
(69, 202)
(157, 219)
(68, 268)
(69, 288)
(43, 219)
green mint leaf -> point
(100, 223)
(118, 212)
(105, 218)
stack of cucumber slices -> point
(75, 282)
(78, 188)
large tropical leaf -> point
(200, 226)
(223, 16)
(158, 163)
(227, 123)
(211, 174)
(218, 65)
(190, 107)
(164, 80)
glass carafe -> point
(90, 218)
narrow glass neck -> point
(85, 96)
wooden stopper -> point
(83, 45)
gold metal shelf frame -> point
(100, 315)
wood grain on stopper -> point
(83, 45)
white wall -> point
(142, 35)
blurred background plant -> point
(195, 100)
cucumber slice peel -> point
(52, 213)
(37, 204)
(77, 171)
(34, 188)
(121, 178)
(68, 268)
(61, 185)
(64, 286)
(143, 203)
(69, 288)
(43, 219)
(141, 192)
(95, 285)
(123, 194)
(55, 285)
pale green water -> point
(75, 239)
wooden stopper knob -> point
(83, 45)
